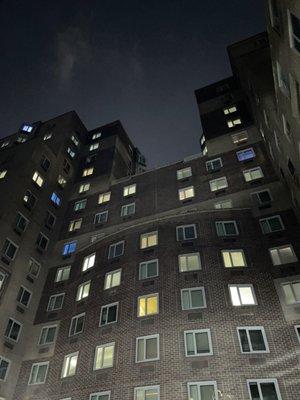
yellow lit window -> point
(148, 305)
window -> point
(2, 280)
(88, 171)
(4, 144)
(56, 200)
(275, 15)
(13, 330)
(229, 110)
(38, 373)
(96, 136)
(45, 163)
(75, 225)
(4, 368)
(127, 209)
(9, 249)
(203, 391)
(100, 396)
(253, 174)
(271, 224)
(297, 330)
(223, 204)
(88, 262)
(148, 269)
(283, 80)
(129, 190)
(63, 273)
(186, 193)
(61, 181)
(234, 258)
(291, 291)
(47, 335)
(294, 29)
(56, 302)
(71, 152)
(104, 197)
(38, 179)
(109, 314)
(50, 220)
(244, 155)
(42, 241)
(218, 184)
(66, 167)
(263, 197)
(286, 127)
(148, 239)
(214, 165)
(69, 365)
(69, 248)
(112, 279)
(24, 296)
(239, 138)
(84, 187)
(231, 123)
(80, 205)
(226, 228)
(147, 348)
(116, 249)
(198, 343)
(21, 222)
(184, 173)
(3, 173)
(148, 305)
(75, 140)
(283, 255)
(193, 298)
(27, 128)
(101, 217)
(242, 295)
(104, 356)
(77, 324)
(263, 389)
(29, 199)
(253, 339)
(94, 146)
(83, 290)
(189, 262)
(186, 232)
(147, 393)
(33, 268)
(47, 136)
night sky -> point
(137, 61)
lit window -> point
(61, 181)
(104, 198)
(291, 291)
(186, 193)
(94, 146)
(47, 335)
(21, 223)
(238, 138)
(184, 173)
(202, 390)
(4, 144)
(71, 152)
(88, 171)
(202, 140)
(112, 279)
(283, 255)
(75, 140)
(47, 136)
(62, 273)
(33, 268)
(198, 343)
(129, 190)
(127, 209)
(189, 262)
(116, 249)
(147, 393)
(214, 165)
(96, 135)
(83, 290)
(9, 249)
(99, 396)
(231, 123)
(104, 356)
(148, 305)
(77, 324)
(229, 110)
(4, 368)
(69, 365)
(242, 295)
(29, 199)
(262, 198)
(186, 232)
(101, 217)
(38, 373)
(88, 262)
(80, 205)
(84, 187)
(147, 348)
(56, 200)
(263, 389)
(271, 224)
(13, 330)
(38, 179)
(75, 225)
(294, 29)
(234, 258)
(109, 314)
(42, 241)
(226, 228)
(24, 296)
(148, 239)
(56, 302)
(253, 339)
(223, 204)
(148, 269)
(193, 298)
(204, 151)
(3, 174)
(253, 174)
(69, 248)
(218, 184)
(244, 155)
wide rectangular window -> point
(4, 368)
(242, 295)
(127, 209)
(231, 123)
(100, 396)
(218, 184)
(186, 232)
(147, 348)
(184, 173)
(116, 249)
(9, 249)
(56, 302)
(85, 187)
(38, 179)
(226, 228)
(94, 146)
(271, 224)
(69, 365)
(21, 222)
(186, 193)
(193, 298)
(244, 155)
(104, 356)
(63, 273)
(214, 165)
(83, 290)
(229, 110)
(283, 255)
(69, 248)
(240, 137)
(294, 30)
(148, 239)
(129, 190)
(148, 305)
(77, 324)
(47, 335)
(88, 262)
(234, 258)
(198, 343)
(291, 292)
(101, 217)
(104, 197)
(56, 200)
(38, 373)
(148, 269)
(147, 393)
(189, 262)
(203, 390)
(252, 339)
(223, 204)
(80, 205)
(24, 296)
(253, 174)
(96, 135)
(263, 389)
(112, 279)
(88, 171)
(109, 314)
(262, 197)
(13, 330)
(75, 225)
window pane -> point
(268, 391)
(237, 259)
(108, 356)
(257, 340)
(202, 344)
(194, 393)
(189, 232)
(296, 287)
(254, 391)
(244, 340)
(190, 344)
(289, 295)
(246, 295)
(197, 298)
(185, 300)
(112, 314)
(151, 348)
(287, 255)
(140, 350)
(207, 392)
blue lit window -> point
(69, 248)
(244, 155)
(55, 199)
(27, 128)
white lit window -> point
(4, 369)
(38, 179)
(96, 135)
(253, 174)
(4, 144)
(189, 262)
(77, 324)
(186, 232)
(47, 335)
(226, 228)
(203, 390)
(242, 295)
(94, 146)
(88, 171)
(127, 209)
(69, 365)
(283, 255)
(24, 296)
(80, 205)
(186, 193)
(109, 314)
(47, 136)
(56, 302)
(129, 190)
(116, 249)
(83, 290)
(263, 389)
(112, 279)
(291, 291)
(3, 173)
(198, 343)
(184, 173)
(148, 239)
(234, 258)
(218, 184)
(193, 298)
(2, 280)
(238, 138)
(147, 393)
(214, 165)
(38, 373)
(147, 348)
(148, 305)
(223, 204)
(13, 330)
(63, 273)
(253, 339)
(294, 30)
(75, 140)
(271, 224)
(230, 110)
(88, 262)
(101, 217)
(148, 269)
(104, 198)
(104, 356)
(231, 123)
(61, 181)
(75, 225)
(84, 187)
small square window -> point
(69, 365)
(283, 255)
(63, 273)
(33, 268)
(24, 296)
(80, 205)
(253, 174)
(231, 123)
(88, 262)
(218, 184)
(10, 249)
(203, 390)
(29, 200)
(229, 110)
(21, 223)
(147, 348)
(129, 190)
(263, 389)
(104, 356)
(234, 258)
(189, 262)
(127, 209)
(45, 163)
(148, 269)
(71, 152)
(109, 314)
(38, 373)
(101, 217)
(13, 330)
(262, 198)
(271, 224)
(226, 228)
(112, 279)
(149, 239)
(38, 179)
(214, 165)
(56, 200)
(55, 302)
(242, 295)
(186, 232)
(47, 335)
(148, 305)
(96, 136)
(116, 249)
(75, 225)
(84, 188)
(88, 171)
(42, 241)
(186, 193)
(94, 146)
(104, 198)
(253, 339)
(198, 343)
(291, 291)
(193, 298)
(184, 173)
(50, 220)
(77, 324)
(244, 155)
(69, 248)
(83, 290)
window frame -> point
(42, 236)
(101, 213)
(14, 321)
(202, 383)
(128, 189)
(5, 252)
(103, 197)
(84, 187)
(210, 163)
(253, 328)
(296, 327)
(108, 306)
(86, 262)
(141, 264)
(8, 367)
(75, 225)
(81, 289)
(256, 194)
(258, 382)
(58, 272)
(145, 388)
(290, 283)
(234, 251)
(250, 171)
(125, 208)
(24, 290)
(47, 327)
(66, 357)
(223, 224)
(38, 179)
(238, 286)
(80, 202)
(146, 236)
(278, 248)
(107, 393)
(31, 371)
(146, 296)
(212, 181)
(67, 245)
(182, 191)
(189, 254)
(103, 346)
(193, 289)
(56, 295)
(144, 338)
(71, 327)
(266, 220)
(114, 245)
(291, 33)
(180, 171)
(87, 172)
(112, 273)
(243, 151)
(184, 235)
(21, 216)
(194, 332)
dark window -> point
(45, 163)
(29, 199)
(21, 223)
(9, 249)
(42, 241)
(50, 220)
(67, 166)
(291, 167)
